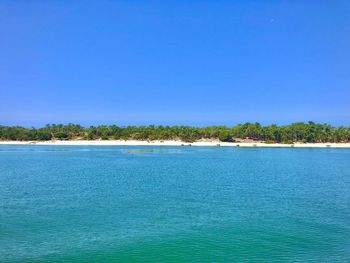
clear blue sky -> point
(174, 62)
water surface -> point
(173, 204)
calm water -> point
(174, 204)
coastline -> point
(175, 143)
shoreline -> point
(175, 143)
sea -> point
(174, 204)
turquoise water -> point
(174, 204)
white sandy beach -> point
(176, 143)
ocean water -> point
(174, 204)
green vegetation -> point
(297, 132)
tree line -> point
(297, 132)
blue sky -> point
(174, 62)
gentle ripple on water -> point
(173, 204)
